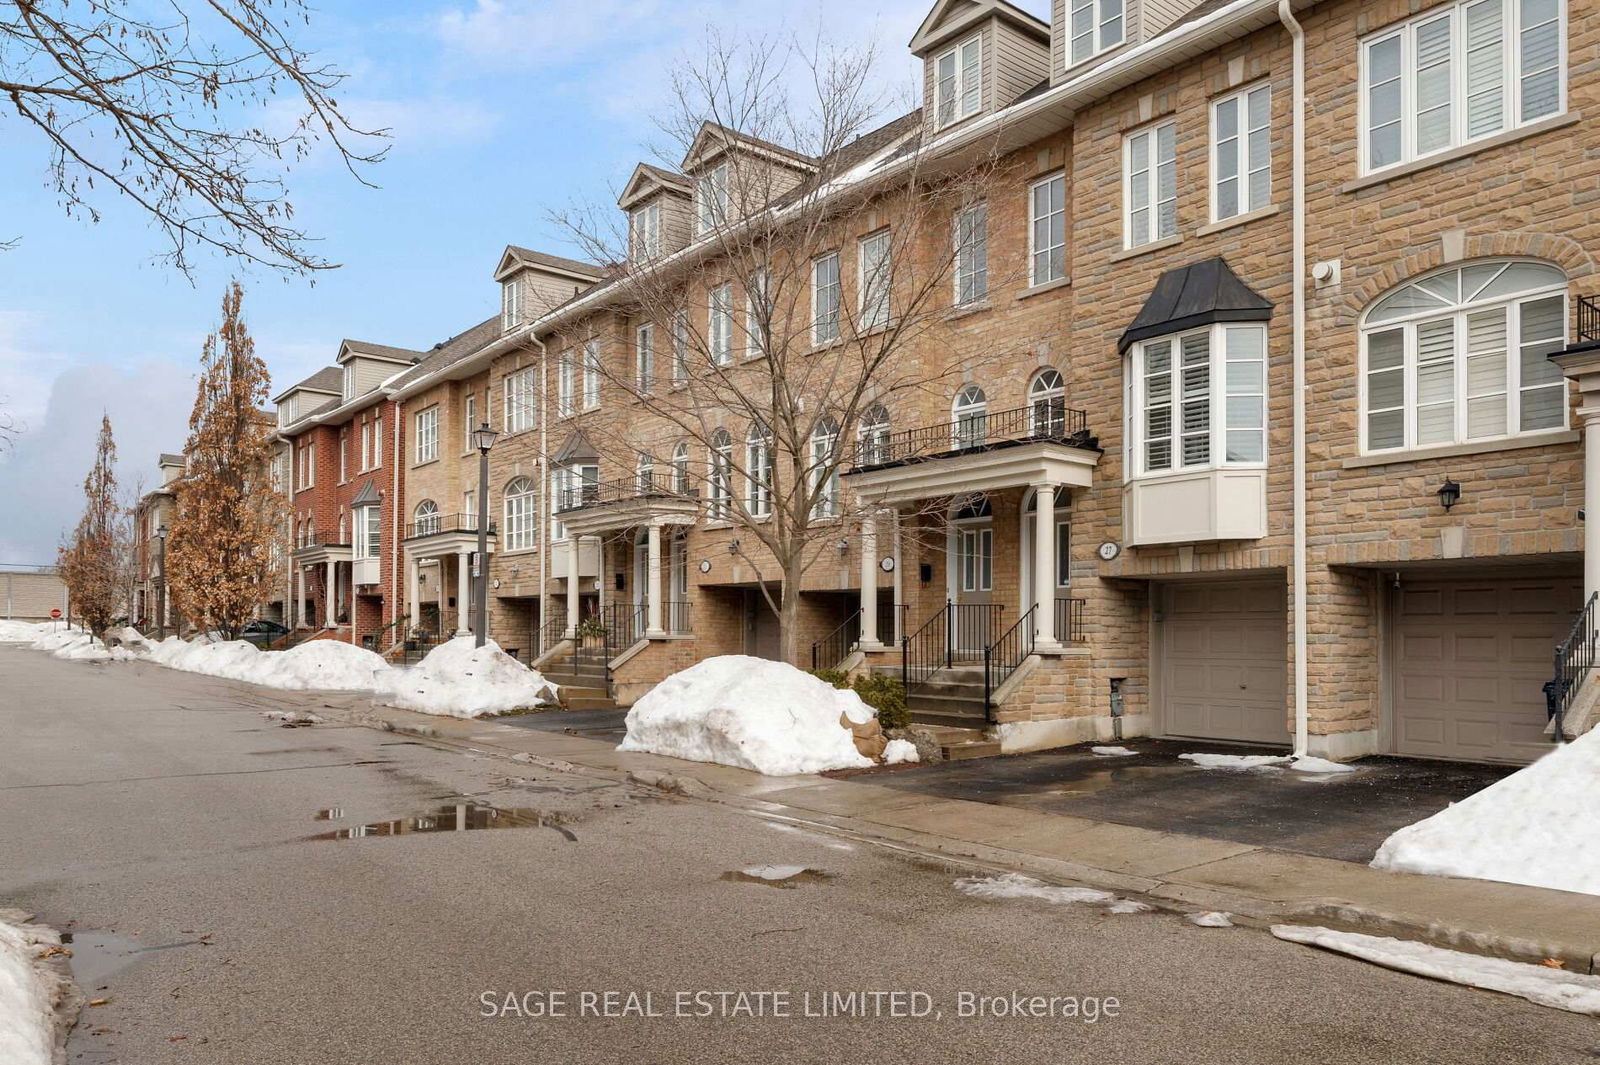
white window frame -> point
(344, 454)
(366, 445)
(1511, 84)
(1246, 163)
(1035, 250)
(1217, 393)
(960, 95)
(826, 330)
(519, 400)
(510, 303)
(875, 271)
(827, 499)
(469, 418)
(711, 199)
(427, 434)
(758, 472)
(1108, 28)
(1461, 312)
(425, 520)
(970, 235)
(521, 514)
(719, 463)
(757, 300)
(561, 482)
(680, 469)
(566, 385)
(377, 440)
(591, 374)
(644, 358)
(680, 349)
(872, 436)
(969, 417)
(1151, 163)
(647, 230)
(719, 324)
(349, 383)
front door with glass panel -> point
(1061, 555)
(974, 584)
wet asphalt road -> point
(151, 809)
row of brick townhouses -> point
(1263, 389)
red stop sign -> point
(55, 615)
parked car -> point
(262, 632)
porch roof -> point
(1016, 465)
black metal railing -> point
(646, 485)
(1588, 319)
(1049, 420)
(317, 539)
(1001, 658)
(415, 647)
(958, 632)
(445, 523)
(677, 617)
(546, 636)
(829, 651)
(1069, 621)
(1574, 658)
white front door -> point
(974, 584)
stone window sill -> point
(1146, 249)
(1048, 286)
(967, 310)
(1238, 220)
(1463, 151)
(1479, 447)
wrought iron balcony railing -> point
(320, 539)
(1588, 330)
(1049, 420)
(445, 523)
(603, 493)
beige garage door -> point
(1471, 659)
(1222, 668)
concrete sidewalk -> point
(1177, 871)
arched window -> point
(721, 474)
(1463, 354)
(969, 416)
(758, 468)
(872, 445)
(426, 519)
(1047, 403)
(680, 469)
(825, 468)
(522, 514)
(645, 475)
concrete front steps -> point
(958, 743)
(950, 704)
(582, 679)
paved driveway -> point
(1344, 816)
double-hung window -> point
(469, 421)
(647, 231)
(344, 455)
(566, 385)
(1092, 27)
(958, 81)
(427, 435)
(521, 405)
(719, 325)
(876, 270)
(720, 475)
(1198, 400)
(825, 469)
(1459, 73)
(972, 253)
(1241, 153)
(825, 299)
(366, 446)
(591, 374)
(510, 303)
(522, 521)
(712, 198)
(644, 358)
(367, 530)
(1047, 230)
(758, 470)
(1150, 184)
(377, 440)
(757, 314)
(1462, 355)
(680, 348)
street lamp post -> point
(161, 582)
(483, 439)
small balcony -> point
(595, 507)
(322, 547)
(440, 524)
(1043, 443)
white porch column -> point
(413, 603)
(463, 591)
(653, 575)
(572, 586)
(439, 594)
(1590, 417)
(1044, 570)
(329, 593)
(869, 581)
(899, 576)
(299, 597)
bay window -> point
(1198, 400)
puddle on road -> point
(457, 817)
(97, 956)
(778, 876)
(332, 813)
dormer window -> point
(711, 198)
(1093, 26)
(958, 84)
(349, 381)
(510, 303)
(647, 231)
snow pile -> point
(1574, 992)
(1111, 752)
(898, 751)
(1017, 886)
(316, 665)
(1535, 827)
(1304, 764)
(28, 631)
(1210, 919)
(27, 994)
(750, 713)
(457, 679)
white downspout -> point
(1298, 210)
(546, 510)
(396, 549)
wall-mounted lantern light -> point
(1449, 494)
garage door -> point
(1471, 659)
(1222, 666)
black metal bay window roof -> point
(1192, 296)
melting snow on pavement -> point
(1303, 764)
(1535, 827)
(1017, 886)
(1575, 992)
(749, 713)
(1111, 752)
(28, 993)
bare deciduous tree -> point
(780, 335)
(168, 104)
(90, 562)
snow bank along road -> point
(154, 808)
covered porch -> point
(438, 557)
(641, 526)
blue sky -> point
(500, 109)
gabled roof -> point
(714, 138)
(449, 352)
(329, 380)
(1191, 296)
(515, 258)
(578, 448)
(350, 348)
(647, 180)
(950, 17)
